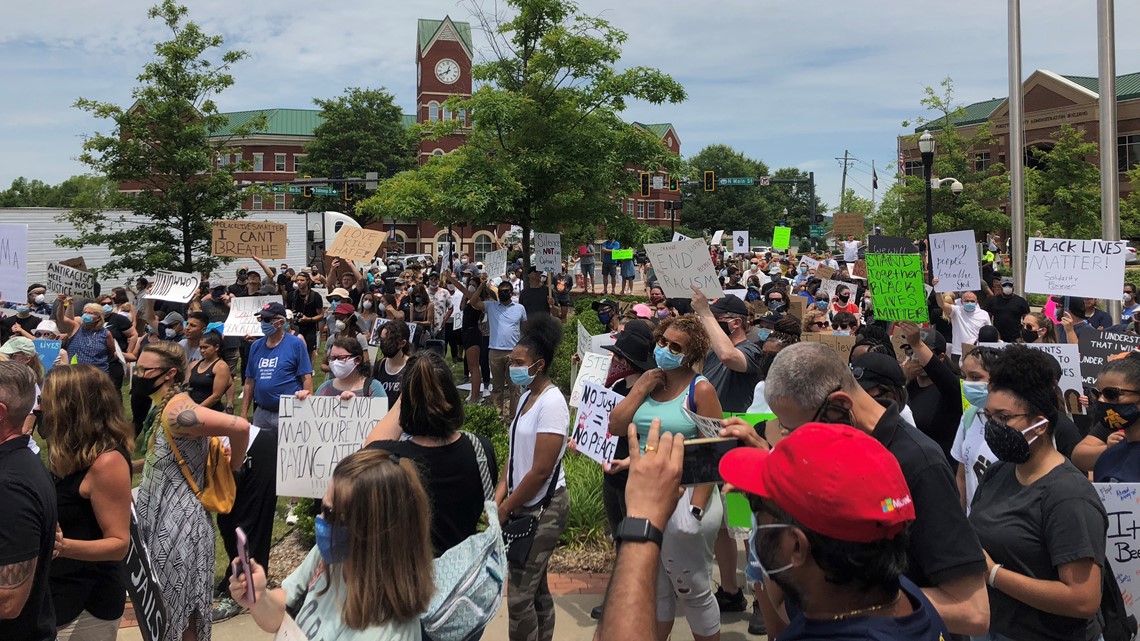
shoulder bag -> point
(518, 533)
(220, 489)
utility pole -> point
(1017, 150)
(1109, 180)
(843, 185)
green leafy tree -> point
(1063, 190)
(546, 149)
(161, 147)
(362, 131)
(854, 203)
(1130, 207)
(78, 191)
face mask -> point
(340, 369)
(451, 288)
(803, 270)
(753, 552)
(662, 313)
(764, 333)
(1007, 289)
(144, 386)
(724, 327)
(366, 304)
(23, 309)
(87, 318)
(521, 376)
(339, 326)
(1009, 444)
(605, 317)
(463, 261)
(332, 541)
(842, 332)
(389, 348)
(39, 299)
(843, 297)
(420, 300)
(1115, 416)
(667, 360)
(504, 297)
(1029, 335)
(976, 392)
(219, 292)
(1127, 299)
(821, 305)
(775, 306)
(267, 328)
(170, 333)
(970, 307)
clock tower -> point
(443, 69)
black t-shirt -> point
(942, 545)
(1065, 435)
(309, 306)
(454, 485)
(937, 407)
(29, 324)
(390, 382)
(563, 283)
(1007, 314)
(27, 501)
(534, 300)
(735, 389)
(1033, 530)
(119, 325)
(617, 480)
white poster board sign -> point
(1069, 358)
(680, 266)
(176, 287)
(808, 261)
(1122, 503)
(740, 242)
(592, 424)
(708, 427)
(313, 435)
(548, 252)
(594, 369)
(378, 326)
(241, 321)
(1088, 268)
(13, 262)
(600, 341)
(716, 237)
(955, 266)
(679, 236)
(62, 279)
(583, 340)
(495, 264)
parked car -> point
(1130, 256)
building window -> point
(641, 209)
(278, 162)
(298, 159)
(629, 206)
(279, 201)
(462, 113)
(433, 111)
(1128, 152)
(259, 162)
(446, 113)
(223, 160)
(913, 168)
(484, 244)
(399, 240)
(437, 152)
(982, 161)
(652, 210)
(256, 202)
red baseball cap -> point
(834, 479)
(344, 308)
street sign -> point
(285, 189)
(325, 191)
(765, 181)
(817, 231)
(736, 181)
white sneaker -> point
(291, 517)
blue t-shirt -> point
(504, 321)
(608, 257)
(924, 624)
(277, 371)
(1119, 464)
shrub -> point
(586, 525)
(484, 421)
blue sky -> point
(790, 82)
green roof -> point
(659, 129)
(970, 115)
(285, 122)
(1127, 86)
(428, 29)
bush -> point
(484, 421)
(586, 525)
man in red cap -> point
(832, 510)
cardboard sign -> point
(740, 242)
(781, 237)
(176, 287)
(495, 263)
(681, 265)
(62, 279)
(1122, 543)
(48, 350)
(622, 254)
(1089, 268)
(952, 254)
(241, 321)
(143, 587)
(548, 252)
(894, 272)
(13, 262)
(313, 435)
(248, 238)
(841, 345)
(678, 236)
(593, 370)
(1068, 357)
(77, 263)
(797, 306)
(844, 225)
(592, 425)
(1097, 348)
(860, 269)
(356, 244)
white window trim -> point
(300, 157)
(475, 243)
(279, 202)
(284, 162)
(259, 159)
(433, 105)
(257, 202)
(641, 209)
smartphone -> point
(1059, 311)
(702, 459)
(243, 564)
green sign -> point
(736, 181)
(285, 189)
(623, 254)
(894, 274)
(325, 191)
(781, 237)
(817, 231)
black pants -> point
(140, 407)
(254, 506)
(485, 360)
(454, 340)
(243, 351)
(613, 501)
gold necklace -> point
(881, 606)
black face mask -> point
(389, 348)
(1007, 443)
(420, 300)
(504, 296)
(775, 306)
(725, 327)
(1114, 416)
(144, 386)
(1029, 335)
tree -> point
(161, 146)
(1062, 191)
(1130, 207)
(78, 191)
(853, 203)
(546, 149)
(903, 208)
(362, 131)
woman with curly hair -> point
(176, 528)
(663, 394)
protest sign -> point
(592, 425)
(495, 264)
(248, 238)
(781, 237)
(739, 293)
(860, 269)
(716, 237)
(797, 306)
(679, 236)
(583, 340)
(13, 262)
(894, 273)
(241, 321)
(1069, 358)
(356, 244)
(548, 252)
(708, 427)
(374, 337)
(598, 341)
(953, 260)
(823, 272)
(623, 254)
(1097, 348)
(143, 586)
(681, 265)
(827, 288)
(1122, 547)
(593, 370)
(841, 345)
(843, 225)
(177, 287)
(740, 242)
(62, 279)
(1089, 268)
(313, 435)
(77, 263)
(810, 263)
(48, 350)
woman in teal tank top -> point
(685, 569)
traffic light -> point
(307, 191)
(710, 181)
(347, 193)
(645, 184)
(673, 186)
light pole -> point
(926, 149)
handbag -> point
(519, 532)
(220, 489)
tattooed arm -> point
(188, 419)
(15, 585)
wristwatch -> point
(696, 511)
(637, 530)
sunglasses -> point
(843, 326)
(1029, 328)
(819, 324)
(46, 335)
(675, 348)
(1109, 394)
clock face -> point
(447, 71)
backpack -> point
(469, 578)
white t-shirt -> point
(971, 451)
(966, 326)
(834, 264)
(457, 309)
(851, 250)
(548, 415)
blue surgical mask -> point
(754, 558)
(521, 376)
(842, 332)
(764, 333)
(821, 305)
(23, 309)
(268, 329)
(667, 360)
(107, 309)
(970, 307)
(332, 541)
(87, 318)
(976, 392)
